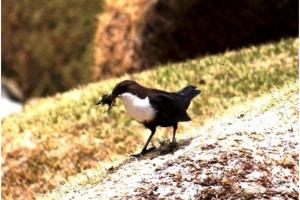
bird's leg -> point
(144, 150)
(174, 133)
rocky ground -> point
(252, 154)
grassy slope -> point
(59, 136)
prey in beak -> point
(107, 99)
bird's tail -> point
(188, 93)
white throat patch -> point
(139, 109)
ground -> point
(250, 151)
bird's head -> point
(123, 87)
(120, 88)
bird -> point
(152, 107)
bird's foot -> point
(173, 145)
(138, 155)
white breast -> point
(139, 109)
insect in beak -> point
(107, 99)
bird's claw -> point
(173, 145)
(138, 155)
(142, 153)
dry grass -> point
(60, 136)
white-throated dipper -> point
(152, 107)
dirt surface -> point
(251, 154)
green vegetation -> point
(48, 44)
(56, 137)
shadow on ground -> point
(166, 147)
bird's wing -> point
(169, 107)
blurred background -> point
(52, 46)
(46, 47)
(49, 47)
